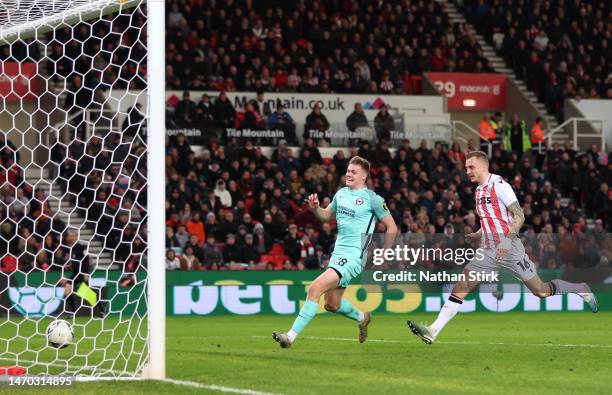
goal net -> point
(74, 185)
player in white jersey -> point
(501, 218)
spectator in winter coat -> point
(357, 118)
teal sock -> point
(306, 313)
(348, 310)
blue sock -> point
(348, 310)
(306, 313)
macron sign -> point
(468, 91)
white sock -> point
(361, 316)
(292, 335)
(448, 311)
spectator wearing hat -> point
(212, 226)
(263, 241)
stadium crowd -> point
(30, 232)
(561, 49)
(340, 46)
(103, 179)
(231, 207)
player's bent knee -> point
(332, 308)
(314, 292)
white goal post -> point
(100, 177)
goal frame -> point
(155, 367)
(156, 194)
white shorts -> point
(517, 262)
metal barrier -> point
(465, 128)
(575, 133)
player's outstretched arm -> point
(322, 214)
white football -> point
(60, 334)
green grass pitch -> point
(487, 353)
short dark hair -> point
(358, 160)
(478, 154)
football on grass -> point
(60, 334)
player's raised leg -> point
(328, 280)
(334, 303)
(428, 333)
(561, 287)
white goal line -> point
(213, 387)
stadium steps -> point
(40, 179)
(500, 66)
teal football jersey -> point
(356, 214)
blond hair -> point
(358, 160)
(478, 154)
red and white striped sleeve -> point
(505, 193)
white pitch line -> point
(468, 343)
(186, 383)
(212, 387)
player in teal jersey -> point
(356, 209)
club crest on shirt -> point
(359, 201)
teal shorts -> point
(347, 266)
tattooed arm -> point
(518, 219)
